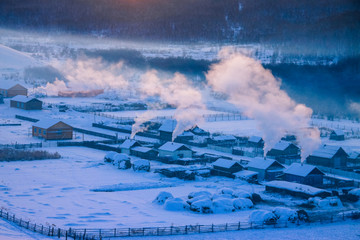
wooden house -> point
(11, 89)
(223, 140)
(52, 129)
(199, 131)
(328, 156)
(354, 159)
(166, 130)
(256, 142)
(26, 103)
(304, 174)
(127, 145)
(337, 135)
(285, 152)
(225, 167)
(268, 169)
(144, 152)
(175, 151)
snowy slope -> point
(13, 59)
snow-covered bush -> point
(217, 196)
(223, 205)
(354, 195)
(175, 204)
(285, 214)
(202, 205)
(122, 161)
(197, 198)
(226, 191)
(241, 194)
(197, 194)
(242, 203)
(329, 202)
(162, 197)
(109, 157)
(141, 165)
(262, 217)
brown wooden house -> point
(10, 89)
(51, 129)
(25, 103)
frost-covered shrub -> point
(197, 198)
(162, 197)
(141, 165)
(285, 214)
(197, 194)
(202, 206)
(256, 198)
(217, 196)
(109, 157)
(223, 205)
(122, 161)
(175, 204)
(354, 195)
(262, 217)
(227, 191)
(11, 154)
(242, 203)
(241, 194)
(329, 202)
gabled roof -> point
(282, 145)
(255, 139)
(354, 155)
(23, 99)
(224, 138)
(129, 143)
(263, 163)
(168, 126)
(327, 151)
(225, 163)
(47, 123)
(142, 149)
(302, 170)
(338, 132)
(172, 147)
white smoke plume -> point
(256, 92)
(177, 92)
(89, 74)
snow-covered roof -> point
(186, 134)
(142, 149)
(300, 169)
(224, 138)
(22, 98)
(224, 163)
(354, 155)
(282, 145)
(172, 146)
(338, 132)
(295, 187)
(47, 123)
(261, 163)
(326, 151)
(128, 143)
(168, 126)
(255, 139)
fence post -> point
(14, 218)
(186, 230)
(129, 232)
(66, 235)
(27, 226)
(84, 235)
(100, 233)
(7, 216)
(114, 232)
(58, 232)
(157, 231)
(225, 227)
(171, 230)
(199, 229)
(212, 227)
(35, 227)
(239, 226)
(49, 231)
(20, 222)
(1, 213)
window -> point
(59, 132)
(22, 105)
(35, 129)
(18, 104)
(39, 130)
(44, 132)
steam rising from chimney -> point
(256, 92)
(177, 92)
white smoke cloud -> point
(256, 92)
(89, 74)
(177, 92)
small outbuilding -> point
(127, 145)
(337, 135)
(225, 167)
(26, 103)
(11, 89)
(166, 130)
(328, 156)
(144, 152)
(175, 151)
(256, 142)
(285, 152)
(268, 169)
(304, 174)
(52, 129)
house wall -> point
(312, 179)
(59, 131)
(176, 154)
(125, 150)
(261, 175)
(233, 169)
(31, 105)
(166, 136)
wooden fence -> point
(100, 234)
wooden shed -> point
(166, 130)
(256, 142)
(144, 152)
(304, 174)
(268, 169)
(328, 156)
(285, 152)
(337, 135)
(225, 167)
(175, 151)
(126, 146)
(51, 129)
(26, 103)
(11, 89)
